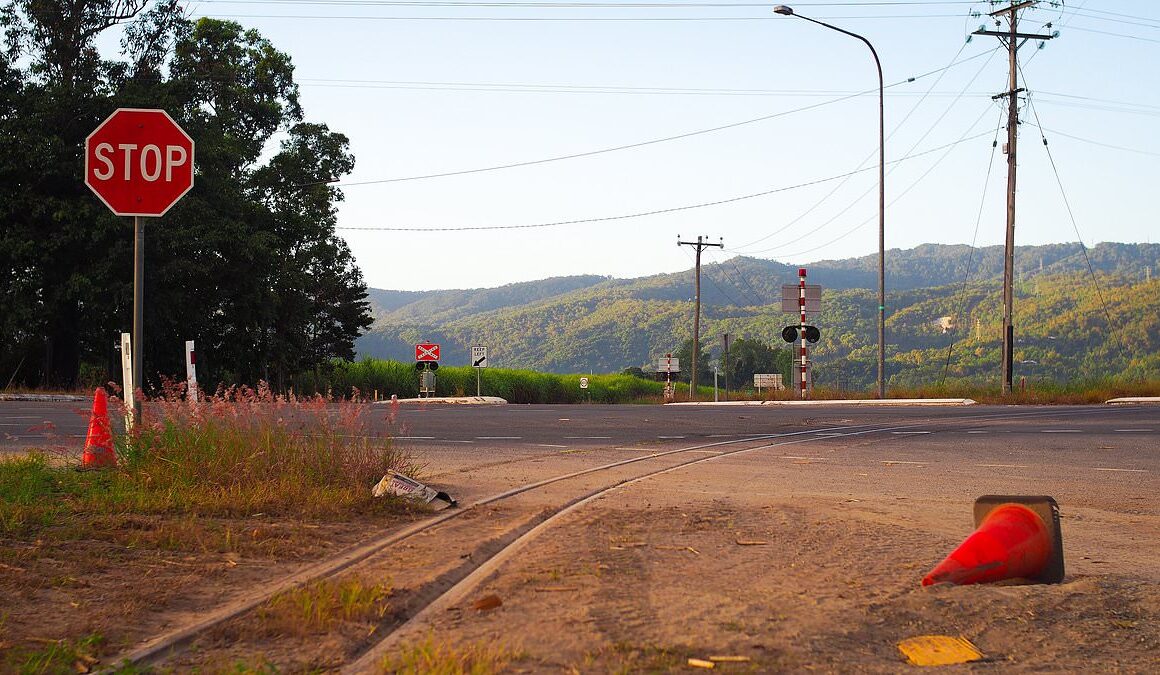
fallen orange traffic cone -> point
(99, 443)
(1015, 537)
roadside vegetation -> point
(429, 657)
(239, 452)
(379, 378)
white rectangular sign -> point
(667, 364)
(479, 356)
(767, 380)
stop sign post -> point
(139, 162)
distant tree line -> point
(247, 264)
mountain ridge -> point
(590, 323)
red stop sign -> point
(139, 162)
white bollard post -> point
(190, 372)
(127, 378)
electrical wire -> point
(863, 163)
(948, 148)
(1067, 204)
(737, 274)
(1102, 145)
(629, 146)
(971, 250)
(854, 202)
(627, 216)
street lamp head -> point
(782, 9)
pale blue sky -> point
(424, 88)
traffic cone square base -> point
(1048, 510)
(1015, 537)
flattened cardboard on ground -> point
(395, 483)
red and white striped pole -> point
(802, 326)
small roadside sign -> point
(426, 351)
(767, 380)
(668, 364)
(584, 383)
(479, 356)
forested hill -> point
(589, 323)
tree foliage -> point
(247, 264)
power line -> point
(1067, 204)
(902, 194)
(854, 202)
(971, 250)
(654, 141)
(641, 214)
(863, 163)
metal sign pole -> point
(477, 390)
(138, 313)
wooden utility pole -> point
(1014, 40)
(699, 245)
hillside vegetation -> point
(595, 324)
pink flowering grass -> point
(243, 450)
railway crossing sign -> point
(426, 351)
(479, 356)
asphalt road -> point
(1108, 440)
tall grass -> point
(239, 452)
(385, 378)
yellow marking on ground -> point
(938, 650)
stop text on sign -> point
(139, 162)
(149, 163)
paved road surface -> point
(1116, 441)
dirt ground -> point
(791, 572)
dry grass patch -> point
(441, 658)
(318, 607)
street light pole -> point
(788, 11)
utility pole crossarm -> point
(699, 246)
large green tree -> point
(247, 263)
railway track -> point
(460, 577)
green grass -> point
(370, 376)
(240, 452)
(54, 656)
(317, 607)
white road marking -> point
(670, 437)
(498, 438)
(708, 452)
(456, 441)
(899, 461)
(1061, 431)
(1132, 431)
(549, 445)
(588, 438)
(721, 435)
(977, 431)
(564, 419)
(827, 435)
(909, 433)
(812, 459)
(1004, 466)
(1121, 470)
(414, 438)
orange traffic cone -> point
(99, 444)
(1015, 537)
